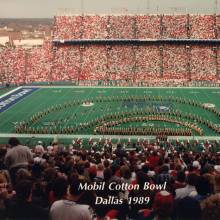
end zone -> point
(11, 98)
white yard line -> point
(8, 135)
(8, 93)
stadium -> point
(113, 99)
(119, 58)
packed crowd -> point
(136, 26)
(175, 63)
(175, 27)
(12, 65)
(39, 64)
(94, 27)
(203, 68)
(148, 27)
(134, 63)
(121, 27)
(147, 67)
(169, 180)
(94, 63)
(19, 66)
(68, 24)
(203, 27)
(66, 63)
(121, 62)
(112, 62)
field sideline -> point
(114, 100)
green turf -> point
(44, 98)
(4, 90)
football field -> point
(111, 111)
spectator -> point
(47, 183)
(189, 188)
(66, 209)
(203, 189)
(17, 157)
(210, 208)
(188, 209)
(22, 206)
(151, 65)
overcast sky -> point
(49, 8)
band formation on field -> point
(114, 111)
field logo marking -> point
(87, 104)
(11, 99)
(164, 108)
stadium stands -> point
(156, 179)
(117, 61)
(39, 64)
(147, 63)
(175, 26)
(94, 64)
(202, 27)
(67, 27)
(66, 63)
(204, 67)
(12, 65)
(175, 62)
(172, 175)
(148, 26)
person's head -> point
(75, 183)
(211, 207)
(92, 172)
(50, 174)
(37, 170)
(24, 190)
(192, 179)
(203, 186)
(100, 167)
(196, 165)
(141, 178)
(22, 174)
(217, 183)
(3, 152)
(60, 187)
(3, 177)
(80, 168)
(125, 172)
(106, 163)
(145, 168)
(163, 204)
(181, 177)
(188, 209)
(107, 174)
(13, 142)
